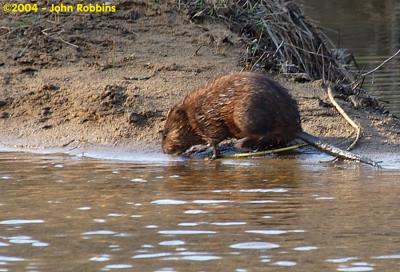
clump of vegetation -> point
(277, 34)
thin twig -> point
(68, 143)
(279, 47)
(380, 65)
(196, 53)
(58, 38)
(22, 52)
(260, 58)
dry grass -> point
(277, 34)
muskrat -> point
(248, 106)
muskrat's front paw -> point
(196, 149)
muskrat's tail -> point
(332, 150)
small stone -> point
(47, 126)
(136, 118)
(4, 115)
(50, 87)
(46, 110)
(29, 70)
(2, 103)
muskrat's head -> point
(178, 135)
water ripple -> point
(274, 232)
(233, 223)
(99, 232)
(256, 190)
(172, 243)
(285, 263)
(21, 221)
(116, 266)
(201, 258)
(387, 257)
(151, 255)
(101, 258)
(267, 232)
(10, 259)
(168, 202)
(139, 180)
(305, 248)
(184, 232)
(355, 268)
(341, 260)
(254, 245)
(195, 211)
(211, 201)
(22, 239)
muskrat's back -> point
(239, 105)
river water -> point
(371, 30)
(71, 213)
(151, 213)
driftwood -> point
(334, 151)
(346, 117)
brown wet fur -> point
(247, 106)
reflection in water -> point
(234, 215)
(371, 29)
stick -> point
(262, 153)
(58, 38)
(334, 151)
(380, 65)
(196, 53)
(346, 117)
(68, 143)
(139, 78)
(255, 63)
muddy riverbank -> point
(83, 81)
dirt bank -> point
(76, 80)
